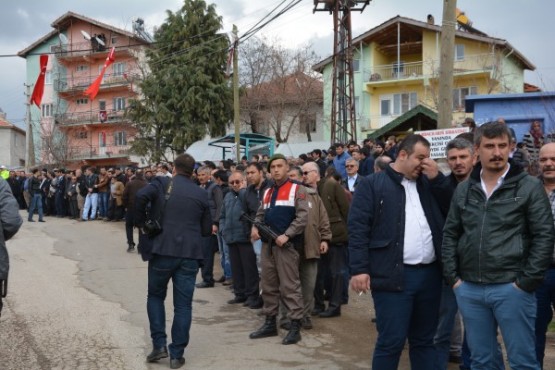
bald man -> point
(545, 294)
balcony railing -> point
(90, 117)
(399, 71)
(78, 49)
(83, 82)
(98, 152)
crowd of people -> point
(448, 259)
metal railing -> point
(90, 117)
(65, 84)
(97, 152)
(83, 48)
(395, 71)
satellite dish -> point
(85, 35)
(99, 40)
(63, 38)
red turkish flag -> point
(92, 90)
(38, 90)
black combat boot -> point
(294, 334)
(269, 329)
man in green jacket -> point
(497, 245)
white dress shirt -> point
(418, 242)
(500, 181)
(351, 182)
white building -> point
(12, 144)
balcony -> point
(104, 152)
(110, 82)
(90, 49)
(91, 118)
(415, 72)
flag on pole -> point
(92, 90)
(38, 90)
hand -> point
(214, 229)
(360, 283)
(457, 284)
(254, 233)
(324, 247)
(281, 240)
(429, 168)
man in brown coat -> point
(334, 262)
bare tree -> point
(279, 90)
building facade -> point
(396, 68)
(70, 129)
(12, 144)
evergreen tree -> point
(184, 93)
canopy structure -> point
(419, 118)
(250, 144)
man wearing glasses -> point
(352, 179)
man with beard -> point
(394, 247)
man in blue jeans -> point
(184, 215)
(394, 249)
(497, 244)
(36, 196)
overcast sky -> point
(526, 24)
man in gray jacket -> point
(497, 245)
(236, 234)
(10, 222)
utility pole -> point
(445, 98)
(29, 143)
(343, 121)
(236, 116)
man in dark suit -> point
(176, 254)
(353, 178)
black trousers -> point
(73, 210)
(210, 247)
(244, 270)
(129, 222)
(332, 266)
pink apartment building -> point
(76, 131)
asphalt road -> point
(77, 300)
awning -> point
(418, 118)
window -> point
(459, 52)
(102, 104)
(307, 122)
(356, 65)
(397, 104)
(459, 96)
(82, 68)
(48, 78)
(102, 139)
(120, 138)
(82, 101)
(119, 104)
(47, 110)
(118, 69)
(356, 102)
(81, 134)
(114, 40)
(403, 102)
(385, 106)
(398, 69)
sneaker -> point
(130, 248)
